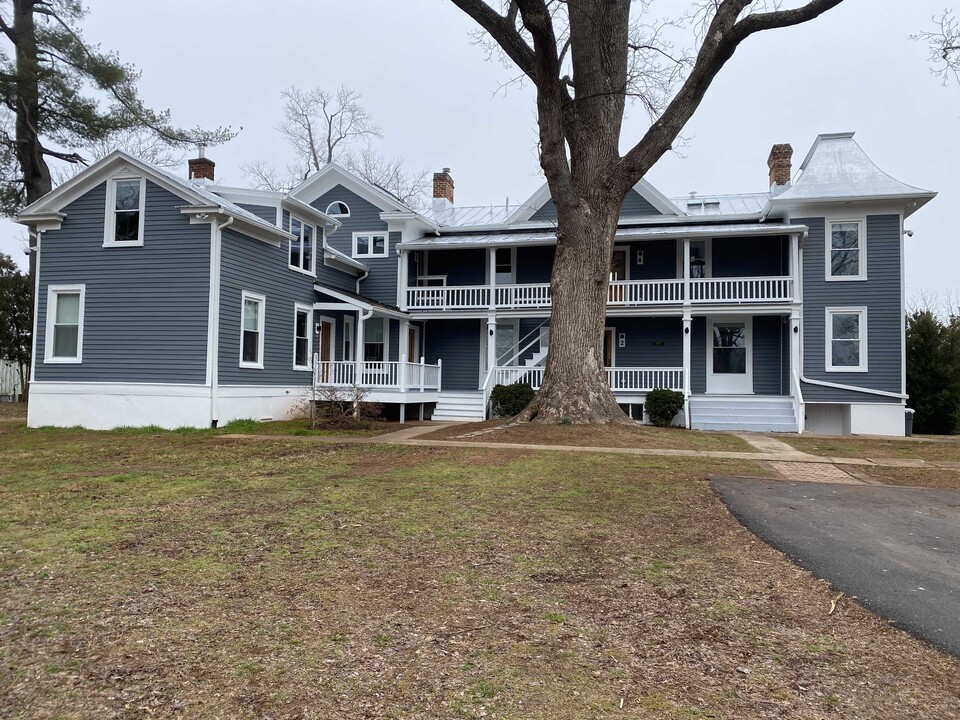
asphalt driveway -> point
(896, 549)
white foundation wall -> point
(878, 419)
(105, 406)
(261, 402)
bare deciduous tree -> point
(139, 142)
(391, 175)
(944, 45)
(585, 59)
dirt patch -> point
(13, 411)
(640, 436)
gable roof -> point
(195, 192)
(837, 168)
(332, 174)
(541, 197)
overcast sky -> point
(224, 62)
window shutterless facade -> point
(123, 224)
(846, 250)
(373, 340)
(367, 244)
(846, 332)
(64, 335)
(251, 330)
(303, 248)
(302, 337)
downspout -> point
(215, 322)
(360, 279)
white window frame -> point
(312, 271)
(861, 247)
(371, 234)
(338, 215)
(385, 342)
(110, 215)
(829, 312)
(349, 339)
(52, 292)
(513, 265)
(261, 324)
(308, 309)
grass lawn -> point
(933, 449)
(190, 575)
(593, 436)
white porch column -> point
(686, 271)
(796, 369)
(358, 347)
(492, 276)
(404, 341)
(687, 359)
(491, 342)
(795, 267)
(404, 279)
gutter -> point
(215, 320)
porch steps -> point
(459, 406)
(749, 413)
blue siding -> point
(880, 293)
(771, 355)
(457, 343)
(264, 212)
(145, 314)
(698, 355)
(659, 259)
(535, 264)
(745, 257)
(644, 336)
(633, 204)
(462, 267)
(282, 288)
(381, 284)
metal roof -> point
(640, 233)
(719, 205)
(470, 215)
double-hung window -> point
(64, 336)
(366, 244)
(303, 246)
(846, 250)
(846, 334)
(302, 337)
(373, 340)
(251, 330)
(123, 225)
(504, 263)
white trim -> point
(337, 215)
(860, 310)
(385, 342)
(861, 248)
(110, 217)
(36, 307)
(261, 318)
(312, 270)
(308, 309)
(660, 202)
(372, 234)
(48, 341)
(349, 334)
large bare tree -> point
(943, 43)
(585, 58)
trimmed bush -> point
(662, 406)
(510, 400)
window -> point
(846, 251)
(251, 331)
(730, 348)
(302, 337)
(373, 340)
(123, 226)
(846, 340)
(504, 266)
(348, 338)
(370, 245)
(303, 246)
(64, 336)
(338, 209)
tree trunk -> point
(575, 387)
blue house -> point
(181, 302)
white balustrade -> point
(378, 375)
(520, 296)
(645, 292)
(721, 290)
(623, 379)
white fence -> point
(378, 375)
(622, 379)
(9, 381)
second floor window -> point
(125, 212)
(846, 255)
(504, 266)
(303, 246)
(370, 245)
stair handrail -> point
(799, 407)
(522, 350)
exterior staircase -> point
(743, 413)
(462, 405)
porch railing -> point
(400, 375)
(621, 379)
(621, 293)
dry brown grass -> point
(187, 575)
(932, 477)
(618, 436)
(13, 411)
(941, 448)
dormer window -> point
(303, 247)
(123, 226)
(338, 209)
(367, 244)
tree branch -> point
(503, 30)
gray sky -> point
(224, 62)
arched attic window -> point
(338, 209)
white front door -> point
(729, 356)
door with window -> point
(729, 357)
(413, 344)
(325, 341)
(618, 273)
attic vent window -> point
(123, 225)
(338, 209)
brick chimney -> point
(201, 168)
(442, 190)
(781, 167)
